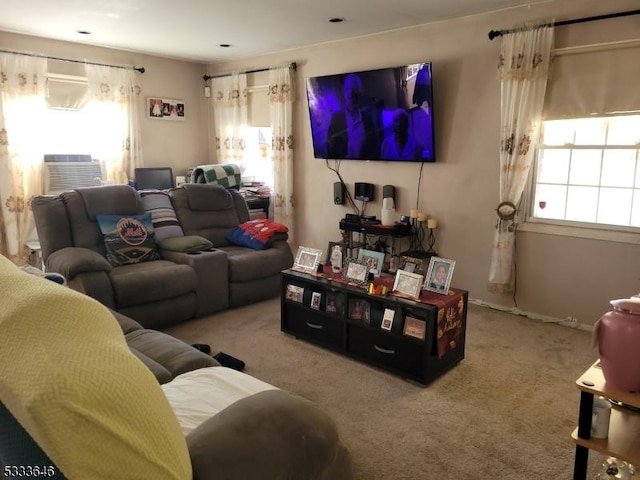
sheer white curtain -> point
(22, 102)
(281, 97)
(230, 116)
(114, 94)
(525, 58)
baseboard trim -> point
(565, 322)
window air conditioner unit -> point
(63, 173)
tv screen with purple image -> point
(384, 114)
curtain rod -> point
(496, 33)
(138, 69)
(206, 77)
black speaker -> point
(388, 191)
(338, 193)
(364, 191)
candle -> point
(421, 217)
(432, 224)
(413, 213)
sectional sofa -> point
(76, 401)
(179, 282)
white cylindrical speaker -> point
(388, 217)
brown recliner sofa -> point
(211, 211)
(179, 285)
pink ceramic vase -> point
(618, 337)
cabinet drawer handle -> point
(384, 350)
(314, 325)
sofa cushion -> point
(173, 354)
(163, 216)
(128, 239)
(186, 243)
(198, 395)
(94, 409)
(208, 197)
(257, 234)
(151, 281)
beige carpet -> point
(505, 412)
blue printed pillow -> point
(128, 239)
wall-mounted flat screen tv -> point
(384, 114)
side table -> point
(396, 232)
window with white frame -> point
(587, 165)
(587, 172)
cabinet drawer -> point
(387, 351)
(315, 327)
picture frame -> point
(387, 319)
(375, 260)
(360, 310)
(334, 303)
(307, 260)
(439, 274)
(165, 109)
(316, 297)
(356, 272)
(414, 327)
(294, 293)
(408, 283)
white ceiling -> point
(194, 29)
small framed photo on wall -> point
(165, 108)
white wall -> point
(558, 276)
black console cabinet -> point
(308, 303)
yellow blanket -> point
(68, 377)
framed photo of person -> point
(315, 300)
(294, 293)
(439, 275)
(356, 272)
(165, 108)
(374, 260)
(359, 310)
(307, 260)
(414, 327)
(387, 319)
(334, 303)
(408, 283)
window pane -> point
(582, 203)
(550, 201)
(618, 168)
(558, 132)
(553, 166)
(585, 167)
(624, 130)
(590, 131)
(615, 206)
(635, 212)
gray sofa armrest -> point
(173, 354)
(71, 261)
(212, 269)
(271, 435)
